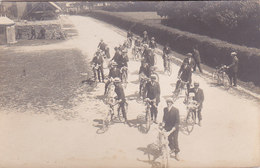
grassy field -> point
(40, 79)
(144, 16)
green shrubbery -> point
(233, 21)
(213, 52)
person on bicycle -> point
(152, 71)
(144, 72)
(114, 72)
(117, 55)
(233, 69)
(184, 75)
(123, 59)
(196, 57)
(119, 90)
(171, 121)
(189, 60)
(102, 45)
(152, 44)
(145, 38)
(130, 36)
(166, 53)
(149, 57)
(199, 98)
(97, 62)
(152, 91)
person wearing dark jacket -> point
(165, 56)
(199, 98)
(97, 62)
(120, 97)
(233, 69)
(171, 121)
(152, 43)
(196, 57)
(114, 72)
(152, 91)
(184, 74)
(189, 60)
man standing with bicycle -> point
(196, 57)
(199, 98)
(171, 121)
(114, 72)
(120, 97)
(233, 69)
(97, 62)
(152, 91)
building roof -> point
(5, 21)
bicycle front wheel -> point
(148, 121)
(190, 122)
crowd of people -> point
(149, 81)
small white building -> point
(7, 31)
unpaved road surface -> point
(229, 135)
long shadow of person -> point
(139, 123)
(152, 150)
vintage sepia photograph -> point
(129, 84)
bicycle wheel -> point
(215, 76)
(169, 69)
(148, 120)
(190, 121)
(226, 81)
(164, 156)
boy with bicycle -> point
(171, 121)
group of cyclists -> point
(149, 88)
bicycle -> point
(221, 77)
(136, 51)
(148, 117)
(109, 96)
(124, 75)
(143, 81)
(180, 89)
(192, 108)
(108, 118)
(163, 146)
(168, 67)
(120, 115)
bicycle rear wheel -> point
(226, 81)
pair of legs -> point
(122, 108)
(100, 73)
(233, 78)
(178, 85)
(154, 111)
(173, 142)
(197, 64)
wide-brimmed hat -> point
(189, 54)
(233, 53)
(153, 76)
(169, 100)
(117, 80)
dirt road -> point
(229, 135)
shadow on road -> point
(139, 123)
(153, 152)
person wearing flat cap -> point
(171, 121)
(199, 98)
(152, 91)
(189, 60)
(119, 90)
(97, 63)
(233, 69)
(114, 72)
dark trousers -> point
(154, 110)
(122, 108)
(198, 114)
(100, 73)
(33, 36)
(173, 141)
(233, 77)
(197, 64)
(178, 85)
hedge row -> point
(213, 52)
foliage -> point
(234, 21)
